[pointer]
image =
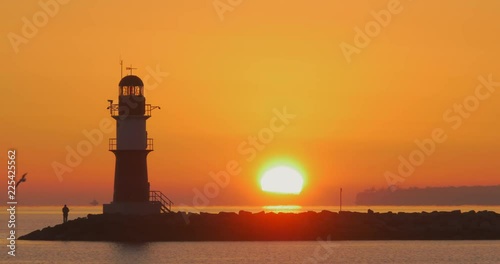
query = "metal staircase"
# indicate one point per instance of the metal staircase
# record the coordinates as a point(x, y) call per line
point(159, 197)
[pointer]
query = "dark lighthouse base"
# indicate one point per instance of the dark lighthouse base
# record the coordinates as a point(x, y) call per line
point(132, 208)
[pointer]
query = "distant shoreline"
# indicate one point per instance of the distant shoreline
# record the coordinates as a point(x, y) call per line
point(307, 226)
point(437, 196)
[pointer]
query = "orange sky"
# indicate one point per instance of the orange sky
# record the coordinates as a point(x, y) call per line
point(227, 75)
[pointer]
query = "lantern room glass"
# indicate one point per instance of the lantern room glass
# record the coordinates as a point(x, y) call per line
point(132, 90)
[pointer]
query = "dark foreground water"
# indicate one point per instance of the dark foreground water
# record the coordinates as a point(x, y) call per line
point(32, 218)
point(385, 252)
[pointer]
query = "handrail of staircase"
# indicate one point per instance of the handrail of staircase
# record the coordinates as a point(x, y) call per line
point(159, 196)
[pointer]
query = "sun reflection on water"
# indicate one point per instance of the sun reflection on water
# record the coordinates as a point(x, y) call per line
point(282, 208)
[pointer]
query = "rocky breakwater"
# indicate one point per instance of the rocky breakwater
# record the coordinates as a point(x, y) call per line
point(245, 226)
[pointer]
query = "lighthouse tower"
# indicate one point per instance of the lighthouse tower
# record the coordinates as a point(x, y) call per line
point(131, 147)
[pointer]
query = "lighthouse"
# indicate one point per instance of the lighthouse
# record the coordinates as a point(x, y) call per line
point(132, 194)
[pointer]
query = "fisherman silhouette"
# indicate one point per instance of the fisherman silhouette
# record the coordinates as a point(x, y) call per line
point(65, 211)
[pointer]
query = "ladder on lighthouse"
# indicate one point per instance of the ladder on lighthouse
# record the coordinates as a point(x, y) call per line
point(159, 197)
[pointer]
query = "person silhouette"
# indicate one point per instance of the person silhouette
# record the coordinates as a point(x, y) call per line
point(65, 211)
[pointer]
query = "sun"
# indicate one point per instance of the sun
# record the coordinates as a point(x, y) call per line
point(282, 179)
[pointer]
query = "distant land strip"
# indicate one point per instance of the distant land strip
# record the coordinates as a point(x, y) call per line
point(464, 195)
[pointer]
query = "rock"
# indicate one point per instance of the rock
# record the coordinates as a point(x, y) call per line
point(485, 225)
point(244, 213)
point(246, 226)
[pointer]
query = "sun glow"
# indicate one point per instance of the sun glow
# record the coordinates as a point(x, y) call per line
point(282, 179)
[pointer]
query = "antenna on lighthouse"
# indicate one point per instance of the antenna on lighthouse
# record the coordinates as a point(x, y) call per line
point(121, 68)
point(130, 69)
point(340, 200)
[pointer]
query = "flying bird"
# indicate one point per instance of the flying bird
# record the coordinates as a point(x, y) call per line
point(23, 179)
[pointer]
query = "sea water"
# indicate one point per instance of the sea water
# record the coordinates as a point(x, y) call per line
point(320, 251)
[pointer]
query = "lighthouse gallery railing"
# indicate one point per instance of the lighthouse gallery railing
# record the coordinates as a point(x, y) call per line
point(113, 146)
point(114, 109)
